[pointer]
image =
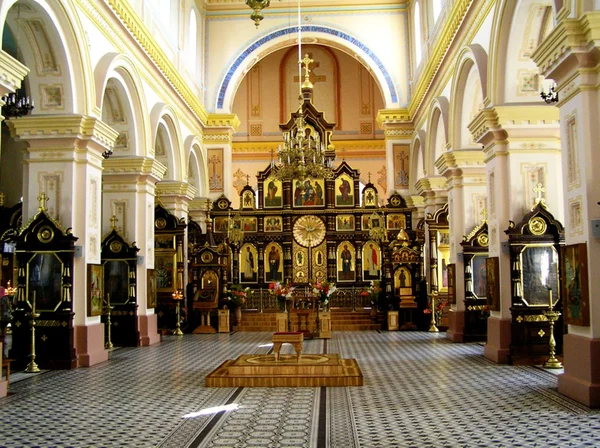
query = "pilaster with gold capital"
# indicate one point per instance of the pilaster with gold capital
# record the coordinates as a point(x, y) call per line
point(64, 160)
point(398, 130)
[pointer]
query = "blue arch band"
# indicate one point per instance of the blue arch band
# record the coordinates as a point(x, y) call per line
point(314, 28)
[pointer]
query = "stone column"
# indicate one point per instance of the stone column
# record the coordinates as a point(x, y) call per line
point(12, 73)
point(128, 190)
point(522, 147)
point(465, 174)
point(64, 160)
point(569, 55)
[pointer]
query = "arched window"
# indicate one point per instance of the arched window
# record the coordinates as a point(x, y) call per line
point(192, 43)
point(437, 9)
point(417, 22)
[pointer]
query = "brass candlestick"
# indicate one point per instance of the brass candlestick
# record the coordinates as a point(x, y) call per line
point(32, 367)
point(177, 296)
point(433, 328)
point(108, 308)
point(552, 316)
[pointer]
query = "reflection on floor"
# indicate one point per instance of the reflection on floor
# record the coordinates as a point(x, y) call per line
point(419, 391)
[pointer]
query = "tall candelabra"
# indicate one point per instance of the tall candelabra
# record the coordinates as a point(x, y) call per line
point(32, 367)
point(552, 316)
point(433, 328)
point(178, 296)
point(108, 308)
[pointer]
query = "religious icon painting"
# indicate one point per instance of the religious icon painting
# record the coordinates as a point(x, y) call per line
point(221, 223)
point(574, 285)
point(479, 276)
point(151, 289)
point(371, 261)
point(442, 270)
point(248, 199)
point(248, 264)
point(95, 290)
point(344, 223)
point(346, 262)
point(309, 192)
point(273, 263)
point(273, 193)
point(451, 283)
point(444, 238)
point(319, 258)
point(370, 221)
point(344, 191)
point(493, 287)
point(370, 197)
point(403, 282)
point(273, 224)
point(396, 221)
point(249, 224)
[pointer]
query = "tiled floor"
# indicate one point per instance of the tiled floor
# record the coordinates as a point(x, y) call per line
point(420, 391)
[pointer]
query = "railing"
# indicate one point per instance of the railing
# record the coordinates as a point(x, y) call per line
point(344, 298)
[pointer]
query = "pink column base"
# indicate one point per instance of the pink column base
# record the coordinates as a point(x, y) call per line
point(3, 383)
point(497, 348)
point(89, 344)
point(581, 380)
point(456, 326)
point(148, 326)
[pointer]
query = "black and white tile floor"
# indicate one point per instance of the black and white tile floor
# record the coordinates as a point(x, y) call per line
point(420, 391)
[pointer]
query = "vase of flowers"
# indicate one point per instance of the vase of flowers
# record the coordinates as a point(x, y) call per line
point(237, 296)
point(373, 291)
point(282, 292)
point(436, 307)
point(323, 291)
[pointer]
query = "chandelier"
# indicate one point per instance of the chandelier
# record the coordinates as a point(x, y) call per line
point(551, 96)
point(15, 107)
point(257, 6)
point(302, 154)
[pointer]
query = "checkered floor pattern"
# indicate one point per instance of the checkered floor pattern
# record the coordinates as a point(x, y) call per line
point(420, 391)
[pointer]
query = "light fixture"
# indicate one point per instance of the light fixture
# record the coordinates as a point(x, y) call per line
point(15, 107)
point(257, 6)
point(106, 154)
point(303, 154)
point(551, 96)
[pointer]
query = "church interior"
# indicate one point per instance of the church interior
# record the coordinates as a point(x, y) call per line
point(312, 223)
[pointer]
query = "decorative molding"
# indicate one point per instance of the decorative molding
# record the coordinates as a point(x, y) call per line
point(174, 188)
point(575, 216)
point(223, 120)
point(393, 116)
point(142, 168)
point(12, 72)
point(139, 31)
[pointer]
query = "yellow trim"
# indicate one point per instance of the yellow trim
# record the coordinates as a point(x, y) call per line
point(223, 120)
point(138, 29)
point(388, 116)
point(13, 72)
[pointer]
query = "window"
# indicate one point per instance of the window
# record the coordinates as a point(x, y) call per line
point(417, 22)
point(192, 43)
point(437, 9)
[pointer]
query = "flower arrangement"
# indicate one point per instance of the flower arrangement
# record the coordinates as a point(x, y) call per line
point(439, 307)
point(237, 294)
point(282, 291)
point(373, 290)
point(323, 289)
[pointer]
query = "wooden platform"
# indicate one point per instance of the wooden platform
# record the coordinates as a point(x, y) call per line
point(265, 371)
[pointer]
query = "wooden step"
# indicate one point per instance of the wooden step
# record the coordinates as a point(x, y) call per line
point(359, 320)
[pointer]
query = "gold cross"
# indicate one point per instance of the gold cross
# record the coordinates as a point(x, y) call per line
point(42, 198)
point(208, 205)
point(484, 214)
point(307, 60)
point(247, 179)
point(1, 199)
point(113, 222)
point(369, 174)
point(538, 190)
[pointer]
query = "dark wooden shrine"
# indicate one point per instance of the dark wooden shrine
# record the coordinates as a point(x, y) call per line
point(45, 253)
point(169, 235)
point(535, 247)
point(475, 253)
point(119, 261)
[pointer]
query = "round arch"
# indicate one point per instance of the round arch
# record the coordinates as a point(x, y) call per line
point(164, 119)
point(470, 57)
point(196, 165)
point(321, 35)
point(66, 37)
point(417, 159)
point(438, 116)
point(113, 65)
